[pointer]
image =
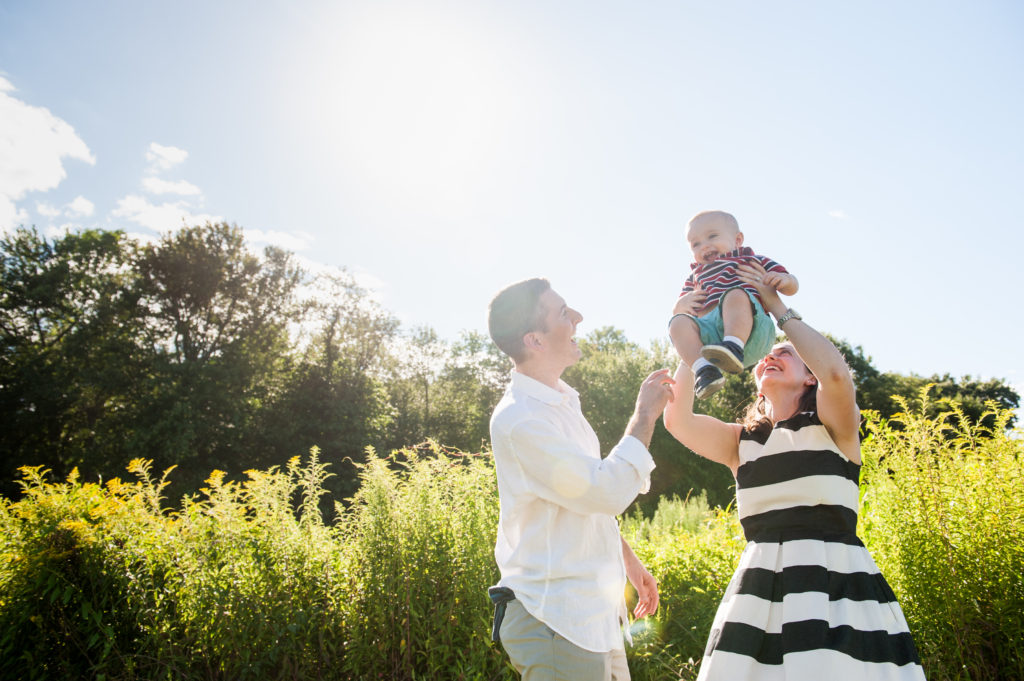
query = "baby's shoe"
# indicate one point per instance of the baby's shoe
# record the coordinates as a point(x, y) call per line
point(726, 355)
point(707, 382)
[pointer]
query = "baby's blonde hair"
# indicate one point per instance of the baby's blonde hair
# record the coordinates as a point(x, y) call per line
point(728, 217)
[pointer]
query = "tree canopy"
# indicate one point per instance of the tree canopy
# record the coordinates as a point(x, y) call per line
point(196, 351)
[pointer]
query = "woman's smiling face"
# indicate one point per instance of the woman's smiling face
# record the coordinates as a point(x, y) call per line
point(781, 366)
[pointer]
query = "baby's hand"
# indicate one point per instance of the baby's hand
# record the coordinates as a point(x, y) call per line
point(774, 279)
point(690, 303)
point(783, 282)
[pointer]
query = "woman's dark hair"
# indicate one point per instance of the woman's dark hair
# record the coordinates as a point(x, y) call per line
point(756, 421)
point(515, 312)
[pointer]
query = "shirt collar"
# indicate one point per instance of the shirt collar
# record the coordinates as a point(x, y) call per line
point(537, 390)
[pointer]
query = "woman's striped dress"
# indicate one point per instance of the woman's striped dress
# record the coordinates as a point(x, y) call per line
point(807, 601)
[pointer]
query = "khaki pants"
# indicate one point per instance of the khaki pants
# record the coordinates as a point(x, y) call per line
point(540, 654)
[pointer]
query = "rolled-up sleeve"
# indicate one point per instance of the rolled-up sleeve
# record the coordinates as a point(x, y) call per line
point(561, 471)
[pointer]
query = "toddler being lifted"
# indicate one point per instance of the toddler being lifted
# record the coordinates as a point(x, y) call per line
point(718, 323)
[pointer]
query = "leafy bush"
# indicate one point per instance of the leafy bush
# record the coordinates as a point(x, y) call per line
point(62, 604)
point(943, 514)
point(246, 581)
point(226, 588)
point(692, 549)
point(419, 542)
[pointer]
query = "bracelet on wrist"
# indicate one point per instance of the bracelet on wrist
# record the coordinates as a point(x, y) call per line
point(790, 314)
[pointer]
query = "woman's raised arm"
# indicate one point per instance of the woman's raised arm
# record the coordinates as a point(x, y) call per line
point(705, 435)
point(837, 395)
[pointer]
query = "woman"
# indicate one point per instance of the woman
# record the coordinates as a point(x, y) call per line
point(807, 601)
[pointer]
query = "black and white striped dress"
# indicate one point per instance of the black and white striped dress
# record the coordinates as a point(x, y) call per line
point(807, 600)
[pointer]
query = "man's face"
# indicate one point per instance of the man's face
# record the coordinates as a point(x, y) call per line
point(560, 321)
point(711, 237)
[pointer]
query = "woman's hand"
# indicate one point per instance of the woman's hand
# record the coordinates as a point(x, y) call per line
point(767, 283)
point(837, 396)
point(690, 303)
point(756, 275)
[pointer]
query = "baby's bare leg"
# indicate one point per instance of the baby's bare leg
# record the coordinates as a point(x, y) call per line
point(737, 316)
point(686, 338)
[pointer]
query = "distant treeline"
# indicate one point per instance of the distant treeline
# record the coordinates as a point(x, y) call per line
point(196, 352)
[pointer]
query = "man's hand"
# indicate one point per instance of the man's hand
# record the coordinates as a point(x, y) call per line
point(646, 591)
point(655, 393)
point(643, 581)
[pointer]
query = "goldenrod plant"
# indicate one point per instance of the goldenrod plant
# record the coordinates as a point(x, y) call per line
point(246, 579)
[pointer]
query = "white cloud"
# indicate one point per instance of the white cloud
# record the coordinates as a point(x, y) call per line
point(154, 185)
point(80, 207)
point(33, 144)
point(165, 217)
point(374, 286)
point(315, 266)
point(838, 214)
point(54, 232)
point(290, 241)
point(368, 281)
point(10, 215)
point(169, 215)
point(46, 210)
point(163, 158)
point(143, 237)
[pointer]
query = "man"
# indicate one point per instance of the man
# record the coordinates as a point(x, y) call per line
point(559, 603)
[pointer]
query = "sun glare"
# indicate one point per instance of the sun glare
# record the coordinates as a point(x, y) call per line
point(419, 107)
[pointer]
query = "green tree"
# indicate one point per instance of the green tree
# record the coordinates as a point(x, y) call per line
point(216, 331)
point(334, 397)
point(468, 387)
point(67, 348)
point(882, 391)
point(608, 377)
point(416, 361)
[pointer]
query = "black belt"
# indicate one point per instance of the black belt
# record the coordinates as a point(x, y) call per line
point(500, 596)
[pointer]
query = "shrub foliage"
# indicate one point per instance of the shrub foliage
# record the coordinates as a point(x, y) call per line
point(942, 510)
point(246, 580)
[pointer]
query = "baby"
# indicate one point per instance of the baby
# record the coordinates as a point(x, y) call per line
point(719, 323)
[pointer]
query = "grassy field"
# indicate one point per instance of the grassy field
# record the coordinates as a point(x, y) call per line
point(248, 581)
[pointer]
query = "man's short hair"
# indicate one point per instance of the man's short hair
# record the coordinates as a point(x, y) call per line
point(515, 312)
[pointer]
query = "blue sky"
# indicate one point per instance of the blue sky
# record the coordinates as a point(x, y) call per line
point(440, 150)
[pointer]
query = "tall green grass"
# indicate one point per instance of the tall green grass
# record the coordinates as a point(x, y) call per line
point(419, 545)
point(692, 550)
point(246, 580)
point(103, 582)
point(943, 513)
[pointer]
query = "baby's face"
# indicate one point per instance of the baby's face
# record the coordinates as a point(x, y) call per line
point(712, 236)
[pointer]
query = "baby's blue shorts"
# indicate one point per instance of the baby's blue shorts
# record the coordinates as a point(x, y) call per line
point(762, 334)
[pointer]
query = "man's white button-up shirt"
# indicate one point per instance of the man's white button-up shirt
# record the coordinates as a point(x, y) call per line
point(558, 545)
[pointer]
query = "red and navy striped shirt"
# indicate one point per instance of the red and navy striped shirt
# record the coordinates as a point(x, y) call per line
point(719, 276)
